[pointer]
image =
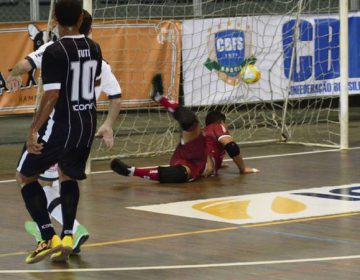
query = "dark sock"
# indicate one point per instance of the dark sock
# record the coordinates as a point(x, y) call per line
point(150, 173)
point(69, 194)
point(35, 202)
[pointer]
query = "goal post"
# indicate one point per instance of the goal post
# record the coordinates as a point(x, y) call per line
point(344, 74)
point(301, 51)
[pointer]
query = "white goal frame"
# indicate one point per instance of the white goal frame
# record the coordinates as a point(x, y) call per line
point(344, 95)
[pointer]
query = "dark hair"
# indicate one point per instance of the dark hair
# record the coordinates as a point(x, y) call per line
point(68, 12)
point(214, 116)
point(86, 23)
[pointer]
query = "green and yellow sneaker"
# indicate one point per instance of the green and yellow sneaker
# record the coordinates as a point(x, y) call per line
point(67, 248)
point(81, 235)
point(44, 249)
point(32, 229)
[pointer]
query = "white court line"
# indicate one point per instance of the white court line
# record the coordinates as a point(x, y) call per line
point(246, 158)
point(190, 266)
point(7, 181)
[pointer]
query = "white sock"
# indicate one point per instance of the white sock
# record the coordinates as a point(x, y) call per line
point(132, 170)
point(51, 194)
point(76, 224)
point(157, 97)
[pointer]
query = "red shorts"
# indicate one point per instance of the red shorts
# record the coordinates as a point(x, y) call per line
point(193, 155)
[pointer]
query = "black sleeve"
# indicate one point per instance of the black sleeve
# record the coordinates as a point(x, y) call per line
point(98, 69)
point(51, 70)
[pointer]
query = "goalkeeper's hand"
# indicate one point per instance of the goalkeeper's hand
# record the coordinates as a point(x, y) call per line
point(13, 83)
point(248, 170)
point(106, 133)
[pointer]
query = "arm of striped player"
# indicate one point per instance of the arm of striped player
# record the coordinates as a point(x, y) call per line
point(14, 80)
point(105, 131)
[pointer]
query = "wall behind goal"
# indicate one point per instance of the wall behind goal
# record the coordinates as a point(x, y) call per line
point(123, 44)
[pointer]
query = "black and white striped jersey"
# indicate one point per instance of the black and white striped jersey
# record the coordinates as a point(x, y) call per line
point(71, 65)
point(109, 84)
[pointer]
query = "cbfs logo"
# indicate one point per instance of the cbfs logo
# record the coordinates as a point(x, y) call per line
point(228, 48)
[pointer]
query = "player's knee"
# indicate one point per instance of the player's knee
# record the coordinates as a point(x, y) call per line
point(173, 174)
point(22, 180)
point(232, 149)
point(186, 118)
point(19, 179)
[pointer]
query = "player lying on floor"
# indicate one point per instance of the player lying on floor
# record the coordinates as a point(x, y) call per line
point(50, 178)
point(200, 151)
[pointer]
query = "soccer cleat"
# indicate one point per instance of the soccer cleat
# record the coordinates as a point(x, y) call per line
point(44, 249)
point(32, 229)
point(157, 90)
point(64, 253)
point(119, 167)
point(80, 236)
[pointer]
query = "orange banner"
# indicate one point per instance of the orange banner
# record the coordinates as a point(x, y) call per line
point(136, 50)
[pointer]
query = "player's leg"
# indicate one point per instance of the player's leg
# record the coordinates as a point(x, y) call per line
point(50, 182)
point(71, 168)
point(36, 204)
point(69, 198)
point(81, 234)
point(185, 117)
point(162, 174)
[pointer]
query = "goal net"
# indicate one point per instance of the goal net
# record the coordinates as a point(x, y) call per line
point(200, 47)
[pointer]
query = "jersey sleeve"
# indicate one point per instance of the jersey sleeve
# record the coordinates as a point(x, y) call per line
point(109, 83)
point(220, 131)
point(99, 65)
point(35, 57)
point(51, 70)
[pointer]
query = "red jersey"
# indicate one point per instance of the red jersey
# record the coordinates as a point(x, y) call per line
point(193, 155)
point(213, 133)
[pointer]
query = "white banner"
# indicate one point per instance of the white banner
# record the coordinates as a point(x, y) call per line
point(213, 50)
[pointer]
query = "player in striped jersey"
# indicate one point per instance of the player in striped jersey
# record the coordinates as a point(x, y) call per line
point(49, 179)
point(62, 130)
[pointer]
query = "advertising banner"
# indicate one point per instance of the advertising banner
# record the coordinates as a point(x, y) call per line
point(135, 50)
point(295, 60)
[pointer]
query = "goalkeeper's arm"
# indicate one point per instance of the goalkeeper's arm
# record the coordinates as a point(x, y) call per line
point(234, 152)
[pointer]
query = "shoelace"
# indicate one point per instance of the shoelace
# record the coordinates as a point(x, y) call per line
point(41, 246)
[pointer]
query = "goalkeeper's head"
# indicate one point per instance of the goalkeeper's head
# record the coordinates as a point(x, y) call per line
point(214, 117)
point(69, 13)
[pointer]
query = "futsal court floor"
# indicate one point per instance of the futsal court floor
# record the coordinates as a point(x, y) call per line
point(297, 219)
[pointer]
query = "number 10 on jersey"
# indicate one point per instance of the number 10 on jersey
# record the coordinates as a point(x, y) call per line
point(86, 71)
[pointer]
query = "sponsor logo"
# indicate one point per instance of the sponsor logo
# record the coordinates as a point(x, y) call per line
point(40, 37)
point(229, 46)
point(267, 207)
point(46, 226)
point(83, 107)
